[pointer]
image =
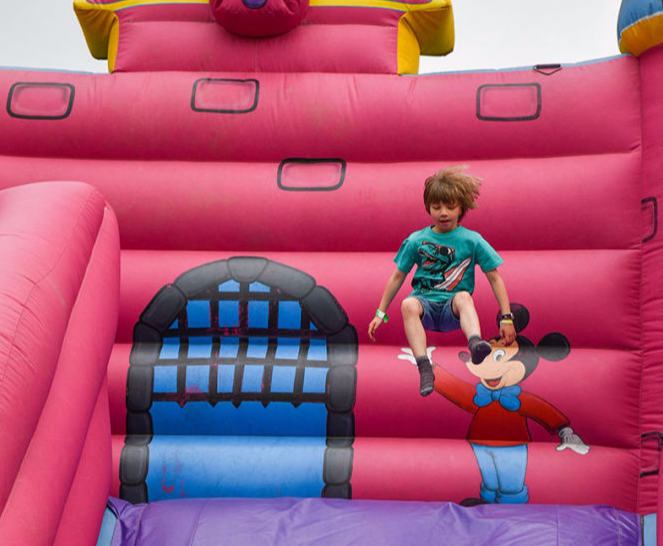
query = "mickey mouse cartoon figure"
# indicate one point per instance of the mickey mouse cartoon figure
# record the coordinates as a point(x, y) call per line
point(498, 432)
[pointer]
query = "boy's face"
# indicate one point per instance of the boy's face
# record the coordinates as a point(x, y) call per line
point(445, 216)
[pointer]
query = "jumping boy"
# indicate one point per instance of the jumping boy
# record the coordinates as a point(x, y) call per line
point(445, 254)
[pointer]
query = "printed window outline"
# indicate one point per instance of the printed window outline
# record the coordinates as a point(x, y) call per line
point(534, 116)
point(70, 106)
point(225, 110)
point(653, 202)
point(310, 161)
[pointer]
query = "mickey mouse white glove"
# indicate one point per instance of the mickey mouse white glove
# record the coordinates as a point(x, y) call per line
point(409, 355)
point(571, 440)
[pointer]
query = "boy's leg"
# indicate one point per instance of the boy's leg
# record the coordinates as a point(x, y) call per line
point(412, 311)
point(463, 307)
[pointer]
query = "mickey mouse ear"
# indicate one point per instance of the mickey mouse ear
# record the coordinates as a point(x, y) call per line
point(554, 347)
point(464, 356)
point(520, 314)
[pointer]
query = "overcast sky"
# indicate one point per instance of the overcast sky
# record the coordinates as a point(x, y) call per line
point(489, 34)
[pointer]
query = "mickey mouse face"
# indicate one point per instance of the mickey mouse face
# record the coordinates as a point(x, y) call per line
point(502, 368)
point(509, 365)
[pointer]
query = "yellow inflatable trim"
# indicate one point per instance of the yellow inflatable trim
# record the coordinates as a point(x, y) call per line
point(408, 49)
point(640, 36)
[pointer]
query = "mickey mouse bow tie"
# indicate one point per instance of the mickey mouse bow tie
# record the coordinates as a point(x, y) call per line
point(507, 397)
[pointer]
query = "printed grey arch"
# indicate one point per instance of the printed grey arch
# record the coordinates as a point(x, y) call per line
point(319, 340)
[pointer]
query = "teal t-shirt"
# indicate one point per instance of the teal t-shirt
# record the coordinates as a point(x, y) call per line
point(445, 261)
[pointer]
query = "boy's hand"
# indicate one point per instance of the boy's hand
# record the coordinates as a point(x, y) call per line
point(507, 332)
point(373, 326)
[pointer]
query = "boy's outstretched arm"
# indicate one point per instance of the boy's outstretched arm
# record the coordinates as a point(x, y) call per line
point(507, 330)
point(393, 286)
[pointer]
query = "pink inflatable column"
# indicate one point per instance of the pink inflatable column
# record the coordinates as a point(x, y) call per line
point(59, 293)
point(651, 64)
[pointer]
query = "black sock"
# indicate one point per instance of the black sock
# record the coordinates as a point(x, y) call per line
point(479, 349)
point(426, 376)
point(423, 361)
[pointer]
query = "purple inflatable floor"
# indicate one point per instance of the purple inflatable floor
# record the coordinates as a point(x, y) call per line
point(333, 522)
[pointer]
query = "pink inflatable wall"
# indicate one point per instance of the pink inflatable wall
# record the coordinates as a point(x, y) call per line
point(324, 173)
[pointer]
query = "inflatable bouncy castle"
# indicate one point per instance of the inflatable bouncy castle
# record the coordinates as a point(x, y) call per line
point(194, 244)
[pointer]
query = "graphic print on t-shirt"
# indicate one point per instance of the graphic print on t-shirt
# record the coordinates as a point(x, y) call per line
point(437, 265)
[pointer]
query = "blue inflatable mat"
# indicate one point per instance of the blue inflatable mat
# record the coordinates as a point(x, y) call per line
point(338, 522)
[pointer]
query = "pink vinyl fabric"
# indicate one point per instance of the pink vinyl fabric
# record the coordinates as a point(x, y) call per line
point(326, 115)
point(59, 293)
point(652, 256)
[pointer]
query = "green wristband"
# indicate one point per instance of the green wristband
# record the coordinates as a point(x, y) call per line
point(382, 315)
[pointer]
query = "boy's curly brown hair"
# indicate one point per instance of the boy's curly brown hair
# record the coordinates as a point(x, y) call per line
point(452, 185)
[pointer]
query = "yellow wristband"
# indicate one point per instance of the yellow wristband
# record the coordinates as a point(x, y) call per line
point(506, 321)
point(382, 315)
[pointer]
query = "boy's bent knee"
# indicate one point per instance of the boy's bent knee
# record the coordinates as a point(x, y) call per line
point(411, 306)
point(462, 299)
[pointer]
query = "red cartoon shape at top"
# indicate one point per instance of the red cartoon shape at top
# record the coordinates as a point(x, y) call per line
point(259, 18)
